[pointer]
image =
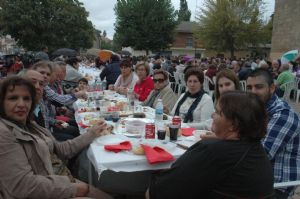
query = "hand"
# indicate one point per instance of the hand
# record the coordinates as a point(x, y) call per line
point(123, 90)
point(137, 96)
point(99, 129)
point(82, 189)
point(166, 110)
point(59, 124)
point(81, 95)
point(208, 135)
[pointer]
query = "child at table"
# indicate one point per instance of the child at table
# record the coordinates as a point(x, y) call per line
point(82, 85)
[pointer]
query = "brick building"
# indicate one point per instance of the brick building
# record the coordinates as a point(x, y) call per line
point(286, 28)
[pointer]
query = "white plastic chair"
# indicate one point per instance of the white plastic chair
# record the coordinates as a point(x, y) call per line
point(206, 82)
point(243, 85)
point(297, 89)
point(288, 87)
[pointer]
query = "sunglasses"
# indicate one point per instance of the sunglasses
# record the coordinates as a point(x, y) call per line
point(158, 80)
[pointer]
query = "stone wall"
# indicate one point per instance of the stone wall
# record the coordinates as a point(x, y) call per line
point(286, 27)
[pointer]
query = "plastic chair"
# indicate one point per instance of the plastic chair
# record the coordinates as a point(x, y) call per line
point(243, 85)
point(288, 87)
point(297, 89)
point(206, 82)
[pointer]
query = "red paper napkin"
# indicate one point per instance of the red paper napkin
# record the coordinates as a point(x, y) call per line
point(82, 125)
point(126, 145)
point(187, 131)
point(156, 154)
point(63, 118)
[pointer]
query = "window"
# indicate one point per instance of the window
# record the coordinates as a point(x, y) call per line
point(189, 42)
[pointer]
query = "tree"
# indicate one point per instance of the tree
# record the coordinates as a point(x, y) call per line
point(54, 23)
point(184, 14)
point(230, 24)
point(144, 24)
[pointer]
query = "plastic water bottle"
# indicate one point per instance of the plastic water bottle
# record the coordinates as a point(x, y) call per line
point(130, 97)
point(104, 85)
point(159, 111)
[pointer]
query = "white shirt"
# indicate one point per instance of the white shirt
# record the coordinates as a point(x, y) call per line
point(203, 111)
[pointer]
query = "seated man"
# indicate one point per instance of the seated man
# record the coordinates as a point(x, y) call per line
point(282, 141)
point(162, 91)
point(284, 77)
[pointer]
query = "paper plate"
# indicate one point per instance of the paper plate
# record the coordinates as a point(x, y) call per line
point(111, 139)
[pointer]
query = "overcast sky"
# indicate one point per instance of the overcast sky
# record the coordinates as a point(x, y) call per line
point(102, 15)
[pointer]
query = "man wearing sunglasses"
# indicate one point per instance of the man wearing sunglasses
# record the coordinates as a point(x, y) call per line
point(162, 91)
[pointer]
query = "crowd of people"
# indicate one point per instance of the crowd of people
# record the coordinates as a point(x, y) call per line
point(252, 136)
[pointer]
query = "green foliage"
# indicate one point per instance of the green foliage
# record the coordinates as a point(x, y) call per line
point(230, 24)
point(54, 23)
point(184, 14)
point(144, 24)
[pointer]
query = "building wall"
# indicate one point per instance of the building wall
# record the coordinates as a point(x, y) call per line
point(181, 39)
point(286, 28)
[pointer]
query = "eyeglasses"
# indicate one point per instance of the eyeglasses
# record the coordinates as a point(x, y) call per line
point(158, 80)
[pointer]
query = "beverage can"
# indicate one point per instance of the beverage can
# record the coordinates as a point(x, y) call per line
point(176, 121)
point(150, 131)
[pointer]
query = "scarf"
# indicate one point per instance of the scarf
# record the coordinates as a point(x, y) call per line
point(189, 115)
point(153, 96)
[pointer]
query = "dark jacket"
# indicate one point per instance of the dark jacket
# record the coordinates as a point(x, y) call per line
point(111, 72)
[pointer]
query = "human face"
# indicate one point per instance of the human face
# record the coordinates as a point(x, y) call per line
point(37, 80)
point(45, 71)
point(125, 71)
point(76, 65)
point(225, 84)
point(62, 74)
point(221, 126)
point(17, 104)
point(193, 84)
point(82, 85)
point(259, 86)
point(141, 72)
point(159, 81)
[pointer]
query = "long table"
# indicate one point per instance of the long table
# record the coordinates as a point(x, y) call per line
point(124, 160)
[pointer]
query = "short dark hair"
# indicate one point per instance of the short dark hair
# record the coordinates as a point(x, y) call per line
point(14, 81)
point(247, 113)
point(73, 60)
point(193, 71)
point(161, 71)
point(264, 73)
point(126, 63)
point(83, 80)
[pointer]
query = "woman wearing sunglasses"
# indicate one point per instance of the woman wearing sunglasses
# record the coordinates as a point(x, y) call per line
point(162, 91)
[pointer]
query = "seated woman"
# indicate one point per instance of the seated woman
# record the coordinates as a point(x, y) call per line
point(194, 106)
point(126, 80)
point(144, 85)
point(27, 149)
point(232, 165)
point(226, 80)
point(162, 91)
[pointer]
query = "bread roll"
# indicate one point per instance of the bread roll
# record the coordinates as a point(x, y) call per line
point(138, 150)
